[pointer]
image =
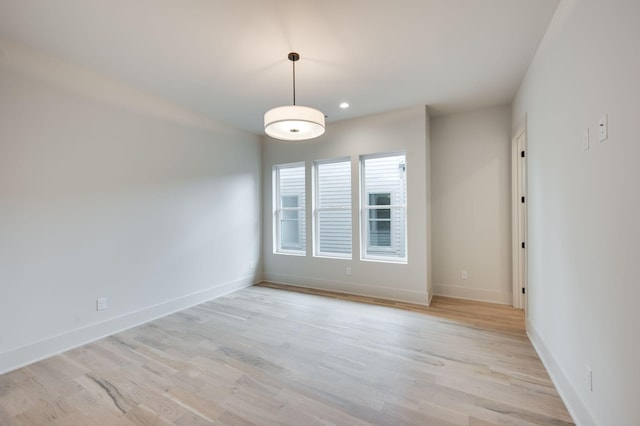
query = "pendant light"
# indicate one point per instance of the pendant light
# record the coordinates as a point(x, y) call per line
point(294, 122)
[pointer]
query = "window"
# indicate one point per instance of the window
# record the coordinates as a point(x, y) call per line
point(380, 220)
point(384, 212)
point(333, 208)
point(289, 212)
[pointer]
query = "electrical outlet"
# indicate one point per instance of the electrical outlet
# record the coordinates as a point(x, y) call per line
point(349, 271)
point(588, 378)
point(464, 274)
point(101, 304)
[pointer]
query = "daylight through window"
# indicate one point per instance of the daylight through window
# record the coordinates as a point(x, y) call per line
point(289, 215)
point(384, 211)
point(333, 208)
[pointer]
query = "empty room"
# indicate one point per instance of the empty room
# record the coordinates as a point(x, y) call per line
point(305, 212)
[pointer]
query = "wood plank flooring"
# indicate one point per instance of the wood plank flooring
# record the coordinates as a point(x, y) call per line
point(266, 355)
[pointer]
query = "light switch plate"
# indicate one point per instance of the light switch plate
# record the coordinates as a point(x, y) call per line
point(588, 378)
point(585, 140)
point(603, 128)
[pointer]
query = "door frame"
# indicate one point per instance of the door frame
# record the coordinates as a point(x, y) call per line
point(519, 201)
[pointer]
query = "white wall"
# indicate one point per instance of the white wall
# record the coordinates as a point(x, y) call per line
point(584, 208)
point(471, 204)
point(107, 191)
point(402, 130)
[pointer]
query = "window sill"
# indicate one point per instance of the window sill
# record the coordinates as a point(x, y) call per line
point(333, 256)
point(290, 253)
point(385, 260)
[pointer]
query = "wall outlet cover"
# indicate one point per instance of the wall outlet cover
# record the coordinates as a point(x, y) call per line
point(101, 303)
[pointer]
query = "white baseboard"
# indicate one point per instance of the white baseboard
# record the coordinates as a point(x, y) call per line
point(399, 295)
point(33, 352)
point(576, 407)
point(479, 294)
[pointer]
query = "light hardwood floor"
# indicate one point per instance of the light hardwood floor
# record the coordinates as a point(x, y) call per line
point(267, 355)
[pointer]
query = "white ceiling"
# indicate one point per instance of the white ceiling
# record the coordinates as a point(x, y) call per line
point(228, 58)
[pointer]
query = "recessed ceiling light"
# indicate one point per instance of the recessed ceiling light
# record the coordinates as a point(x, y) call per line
point(344, 105)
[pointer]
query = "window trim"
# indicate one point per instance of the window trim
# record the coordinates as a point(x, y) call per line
point(317, 209)
point(364, 214)
point(278, 209)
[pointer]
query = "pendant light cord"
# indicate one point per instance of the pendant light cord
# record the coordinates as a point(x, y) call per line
point(293, 57)
point(294, 81)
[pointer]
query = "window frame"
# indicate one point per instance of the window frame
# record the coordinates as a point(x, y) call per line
point(283, 219)
point(365, 208)
point(392, 234)
point(317, 209)
point(278, 210)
